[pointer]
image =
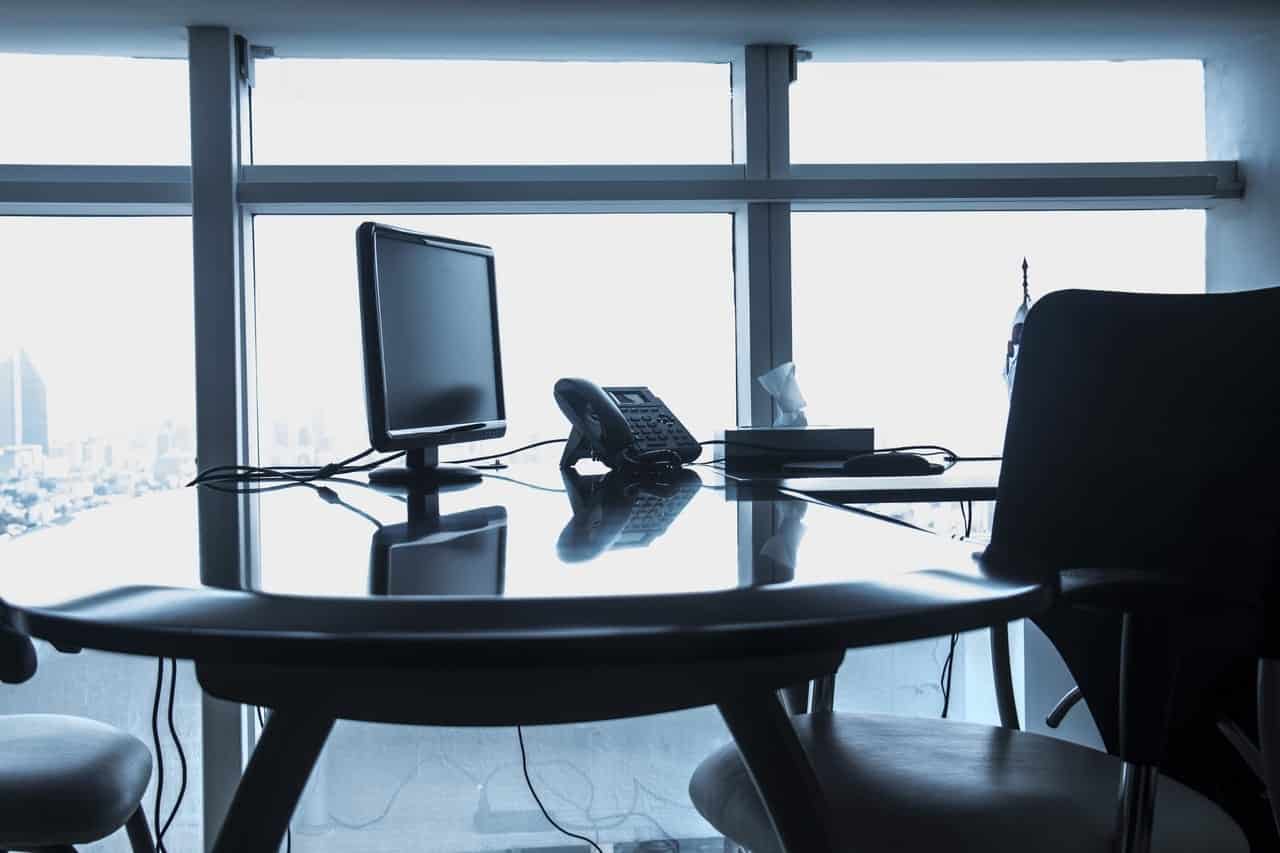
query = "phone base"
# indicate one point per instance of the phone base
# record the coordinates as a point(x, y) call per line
point(575, 448)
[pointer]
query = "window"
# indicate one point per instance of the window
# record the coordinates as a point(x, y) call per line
point(639, 299)
point(901, 319)
point(96, 321)
point(992, 112)
point(311, 111)
point(92, 110)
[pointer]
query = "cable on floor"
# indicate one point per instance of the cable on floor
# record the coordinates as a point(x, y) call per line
point(524, 765)
point(155, 742)
point(948, 667)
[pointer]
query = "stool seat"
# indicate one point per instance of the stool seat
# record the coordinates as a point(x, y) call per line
point(902, 784)
point(66, 780)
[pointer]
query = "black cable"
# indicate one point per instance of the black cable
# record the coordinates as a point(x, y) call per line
point(330, 496)
point(507, 453)
point(524, 765)
point(182, 756)
point(252, 490)
point(295, 473)
point(247, 479)
point(944, 681)
point(155, 741)
point(524, 483)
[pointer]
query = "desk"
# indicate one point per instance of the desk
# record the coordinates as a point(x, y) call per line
point(508, 603)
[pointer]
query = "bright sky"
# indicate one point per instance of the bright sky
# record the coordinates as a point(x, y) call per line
point(897, 316)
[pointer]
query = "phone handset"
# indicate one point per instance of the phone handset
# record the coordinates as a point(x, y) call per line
point(623, 427)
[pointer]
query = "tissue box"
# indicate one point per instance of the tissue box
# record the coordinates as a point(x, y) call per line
point(743, 451)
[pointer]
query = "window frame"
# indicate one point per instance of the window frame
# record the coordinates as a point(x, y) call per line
point(223, 190)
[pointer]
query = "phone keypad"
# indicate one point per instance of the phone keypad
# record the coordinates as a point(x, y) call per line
point(655, 428)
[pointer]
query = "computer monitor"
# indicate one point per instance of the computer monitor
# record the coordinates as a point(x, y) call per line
point(432, 367)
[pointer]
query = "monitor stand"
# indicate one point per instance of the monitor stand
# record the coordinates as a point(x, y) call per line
point(422, 470)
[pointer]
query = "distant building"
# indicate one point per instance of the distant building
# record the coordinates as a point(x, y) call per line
point(24, 414)
point(21, 460)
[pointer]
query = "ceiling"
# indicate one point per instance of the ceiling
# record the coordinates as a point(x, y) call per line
point(652, 29)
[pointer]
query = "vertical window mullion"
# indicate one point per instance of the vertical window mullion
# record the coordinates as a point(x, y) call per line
point(762, 231)
point(224, 378)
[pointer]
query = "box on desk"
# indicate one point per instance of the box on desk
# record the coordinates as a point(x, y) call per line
point(764, 450)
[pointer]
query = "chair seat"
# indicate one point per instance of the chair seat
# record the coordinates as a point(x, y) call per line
point(901, 784)
point(66, 780)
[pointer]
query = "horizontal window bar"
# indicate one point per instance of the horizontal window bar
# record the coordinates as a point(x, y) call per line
point(95, 190)
point(264, 175)
point(140, 190)
point(378, 208)
point(1195, 184)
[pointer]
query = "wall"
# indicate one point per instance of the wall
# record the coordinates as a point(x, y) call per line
point(1242, 119)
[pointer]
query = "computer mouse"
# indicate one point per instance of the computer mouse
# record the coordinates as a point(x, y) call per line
point(892, 464)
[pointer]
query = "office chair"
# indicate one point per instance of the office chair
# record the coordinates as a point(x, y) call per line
point(65, 780)
point(1137, 465)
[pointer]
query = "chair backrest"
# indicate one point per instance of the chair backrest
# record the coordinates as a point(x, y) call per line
point(1142, 435)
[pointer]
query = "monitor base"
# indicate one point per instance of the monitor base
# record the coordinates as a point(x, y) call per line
point(429, 477)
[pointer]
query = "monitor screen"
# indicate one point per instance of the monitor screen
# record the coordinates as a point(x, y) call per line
point(436, 339)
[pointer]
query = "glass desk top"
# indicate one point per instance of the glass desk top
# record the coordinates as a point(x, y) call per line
point(530, 563)
point(524, 532)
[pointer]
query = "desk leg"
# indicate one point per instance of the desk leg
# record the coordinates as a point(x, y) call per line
point(781, 772)
point(272, 783)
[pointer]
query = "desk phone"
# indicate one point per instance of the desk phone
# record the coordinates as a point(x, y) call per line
point(622, 426)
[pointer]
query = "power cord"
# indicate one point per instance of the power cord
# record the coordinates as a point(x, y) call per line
point(290, 473)
point(944, 681)
point(948, 665)
point(177, 742)
point(155, 742)
point(248, 479)
point(513, 452)
point(524, 765)
point(162, 827)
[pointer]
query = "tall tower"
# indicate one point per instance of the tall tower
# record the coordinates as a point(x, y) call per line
point(24, 414)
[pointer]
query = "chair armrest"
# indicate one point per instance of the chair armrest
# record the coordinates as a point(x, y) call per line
point(1064, 706)
point(17, 657)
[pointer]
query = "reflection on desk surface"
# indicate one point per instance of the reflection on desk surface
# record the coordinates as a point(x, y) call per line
point(463, 553)
point(618, 510)
point(697, 539)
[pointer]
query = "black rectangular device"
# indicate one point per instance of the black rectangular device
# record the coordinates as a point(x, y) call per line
point(429, 322)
